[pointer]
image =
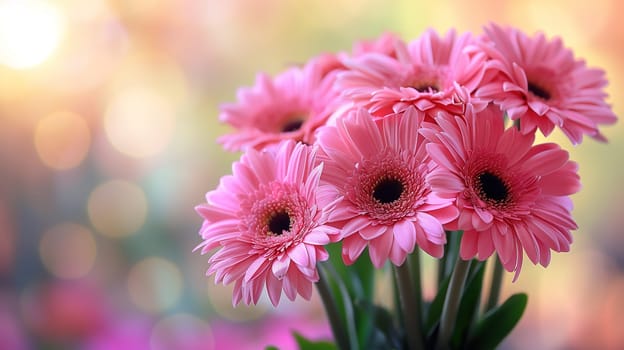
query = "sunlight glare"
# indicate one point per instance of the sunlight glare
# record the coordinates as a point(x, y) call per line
point(30, 31)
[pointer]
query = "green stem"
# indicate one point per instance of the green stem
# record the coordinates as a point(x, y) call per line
point(414, 267)
point(495, 287)
point(411, 313)
point(451, 251)
point(441, 270)
point(451, 302)
point(335, 322)
point(396, 296)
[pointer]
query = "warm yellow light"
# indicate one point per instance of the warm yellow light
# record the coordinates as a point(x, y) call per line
point(139, 121)
point(62, 140)
point(29, 32)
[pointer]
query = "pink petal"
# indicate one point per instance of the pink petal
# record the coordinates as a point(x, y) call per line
point(256, 267)
point(355, 225)
point(317, 237)
point(468, 247)
point(528, 242)
point(432, 227)
point(379, 249)
point(545, 158)
point(397, 254)
point(299, 255)
point(405, 235)
point(352, 247)
point(305, 288)
point(372, 232)
point(280, 266)
point(274, 289)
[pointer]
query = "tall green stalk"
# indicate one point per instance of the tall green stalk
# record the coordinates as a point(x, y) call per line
point(451, 302)
point(335, 322)
point(414, 268)
point(411, 312)
point(495, 287)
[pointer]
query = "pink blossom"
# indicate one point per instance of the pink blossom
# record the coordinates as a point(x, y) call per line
point(539, 83)
point(512, 195)
point(381, 169)
point(290, 106)
point(268, 222)
point(431, 73)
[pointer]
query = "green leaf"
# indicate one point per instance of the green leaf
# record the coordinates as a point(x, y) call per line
point(271, 347)
point(346, 309)
point(498, 323)
point(305, 344)
point(384, 333)
point(353, 286)
point(469, 305)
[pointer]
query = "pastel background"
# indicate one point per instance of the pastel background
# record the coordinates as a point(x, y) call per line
point(108, 127)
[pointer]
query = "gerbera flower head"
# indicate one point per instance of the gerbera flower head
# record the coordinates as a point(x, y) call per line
point(540, 83)
point(268, 223)
point(381, 169)
point(512, 195)
point(431, 73)
point(292, 105)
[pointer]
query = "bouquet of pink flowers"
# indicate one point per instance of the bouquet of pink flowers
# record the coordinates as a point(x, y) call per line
point(356, 162)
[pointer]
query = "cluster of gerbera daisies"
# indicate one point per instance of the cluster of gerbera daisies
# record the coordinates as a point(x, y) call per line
point(395, 145)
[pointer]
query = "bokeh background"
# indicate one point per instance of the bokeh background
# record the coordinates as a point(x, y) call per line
point(108, 127)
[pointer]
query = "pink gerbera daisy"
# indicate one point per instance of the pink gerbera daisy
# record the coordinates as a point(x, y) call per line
point(541, 84)
point(381, 169)
point(431, 73)
point(290, 106)
point(268, 221)
point(512, 196)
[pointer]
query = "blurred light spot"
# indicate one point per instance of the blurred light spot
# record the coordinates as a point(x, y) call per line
point(139, 121)
point(566, 23)
point(145, 11)
point(220, 298)
point(117, 208)
point(181, 331)
point(91, 11)
point(29, 32)
point(62, 140)
point(155, 284)
point(68, 250)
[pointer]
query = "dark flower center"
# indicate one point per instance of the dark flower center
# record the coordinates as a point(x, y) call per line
point(388, 190)
point(430, 88)
point(538, 91)
point(293, 125)
point(492, 188)
point(279, 222)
